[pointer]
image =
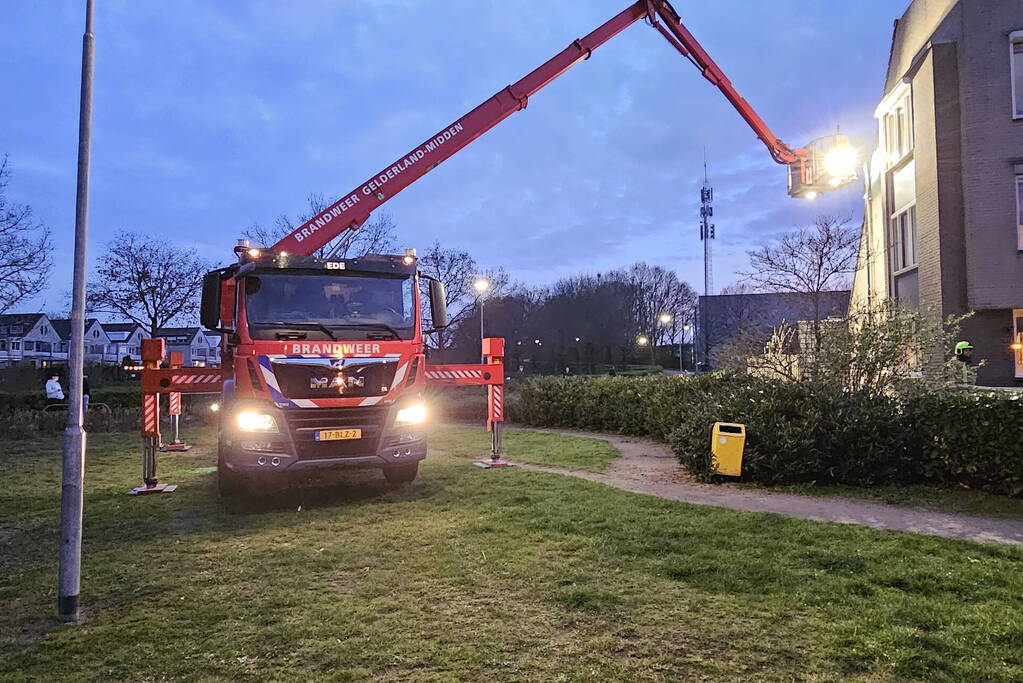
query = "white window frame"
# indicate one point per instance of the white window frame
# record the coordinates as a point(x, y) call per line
point(901, 264)
point(1018, 219)
point(1014, 38)
point(889, 132)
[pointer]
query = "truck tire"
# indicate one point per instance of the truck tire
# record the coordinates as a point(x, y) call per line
point(230, 484)
point(401, 474)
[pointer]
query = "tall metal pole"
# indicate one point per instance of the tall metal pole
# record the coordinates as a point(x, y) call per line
point(482, 357)
point(69, 572)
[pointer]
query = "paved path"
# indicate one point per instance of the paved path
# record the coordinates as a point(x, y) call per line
point(649, 467)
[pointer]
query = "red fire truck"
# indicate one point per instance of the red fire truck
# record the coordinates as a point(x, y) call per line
point(323, 358)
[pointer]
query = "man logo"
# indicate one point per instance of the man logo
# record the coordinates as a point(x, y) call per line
point(339, 382)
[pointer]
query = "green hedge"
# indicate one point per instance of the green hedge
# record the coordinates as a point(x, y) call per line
point(796, 433)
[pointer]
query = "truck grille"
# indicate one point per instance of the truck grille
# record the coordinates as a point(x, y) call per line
point(334, 377)
point(305, 422)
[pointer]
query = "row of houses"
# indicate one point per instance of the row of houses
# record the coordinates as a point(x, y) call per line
point(36, 339)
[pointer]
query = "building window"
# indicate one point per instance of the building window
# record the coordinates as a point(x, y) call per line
point(1019, 212)
point(1016, 69)
point(45, 347)
point(15, 346)
point(15, 329)
point(1017, 341)
point(903, 240)
point(44, 329)
point(30, 346)
point(897, 128)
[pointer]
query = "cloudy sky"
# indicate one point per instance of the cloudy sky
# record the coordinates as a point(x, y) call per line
point(214, 114)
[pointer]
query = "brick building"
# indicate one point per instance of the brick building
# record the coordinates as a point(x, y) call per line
point(722, 318)
point(943, 225)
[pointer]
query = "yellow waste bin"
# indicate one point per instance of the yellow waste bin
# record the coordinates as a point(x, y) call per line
point(727, 442)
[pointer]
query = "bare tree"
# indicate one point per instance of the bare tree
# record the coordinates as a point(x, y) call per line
point(658, 291)
point(25, 249)
point(456, 269)
point(808, 261)
point(147, 281)
point(375, 236)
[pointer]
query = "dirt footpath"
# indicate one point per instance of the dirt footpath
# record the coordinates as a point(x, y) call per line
point(649, 467)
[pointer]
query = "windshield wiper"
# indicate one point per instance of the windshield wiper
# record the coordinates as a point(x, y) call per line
point(374, 326)
point(308, 325)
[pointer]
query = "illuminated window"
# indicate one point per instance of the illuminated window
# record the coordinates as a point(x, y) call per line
point(898, 130)
point(1017, 341)
point(1016, 68)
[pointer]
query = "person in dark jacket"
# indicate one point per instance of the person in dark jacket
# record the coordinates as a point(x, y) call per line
point(85, 393)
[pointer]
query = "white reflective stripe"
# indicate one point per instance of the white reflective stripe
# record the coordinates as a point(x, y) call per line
point(372, 400)
point(269, 378)
point(304, 403)
point(399, 375)
point(149, 410)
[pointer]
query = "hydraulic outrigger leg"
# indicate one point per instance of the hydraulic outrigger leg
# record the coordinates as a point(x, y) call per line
point(493, 355)
point(152, 356)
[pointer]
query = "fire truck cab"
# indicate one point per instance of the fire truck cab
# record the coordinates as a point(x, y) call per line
point(324, 364)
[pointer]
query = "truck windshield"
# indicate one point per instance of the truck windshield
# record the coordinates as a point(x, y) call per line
point(325, 306)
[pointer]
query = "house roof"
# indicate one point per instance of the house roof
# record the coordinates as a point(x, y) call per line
point(180, 335)
point(62, 326)
point(120, 327)
point(121, 331)
point(26, 319)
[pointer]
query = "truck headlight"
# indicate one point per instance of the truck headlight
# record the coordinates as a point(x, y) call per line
point(411, 415)
point(251, 421)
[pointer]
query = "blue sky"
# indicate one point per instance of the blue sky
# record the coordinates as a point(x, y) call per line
point(210, 115)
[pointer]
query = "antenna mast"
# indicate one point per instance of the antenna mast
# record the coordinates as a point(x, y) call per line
point(707, 229)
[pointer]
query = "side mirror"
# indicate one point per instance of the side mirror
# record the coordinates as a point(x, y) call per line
point(209, 307)
point(438, 305)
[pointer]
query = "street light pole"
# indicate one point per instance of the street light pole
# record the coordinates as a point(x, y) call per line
point(70, 561)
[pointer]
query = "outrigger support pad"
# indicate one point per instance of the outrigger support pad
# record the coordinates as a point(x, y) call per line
point(149, 447)
point(495, 451)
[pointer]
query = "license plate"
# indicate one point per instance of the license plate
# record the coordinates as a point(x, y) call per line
point(338, 434)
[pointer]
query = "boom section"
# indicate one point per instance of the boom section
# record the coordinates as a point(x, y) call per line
point(354, 208)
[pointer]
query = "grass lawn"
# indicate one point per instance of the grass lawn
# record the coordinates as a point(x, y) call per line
point(962, 500)
point(527, 445)
point(477, 574)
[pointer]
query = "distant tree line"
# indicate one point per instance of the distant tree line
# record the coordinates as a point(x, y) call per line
point(585, 323)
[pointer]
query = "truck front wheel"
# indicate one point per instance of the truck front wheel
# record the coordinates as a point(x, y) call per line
point(231, 484)
point(402, 474)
